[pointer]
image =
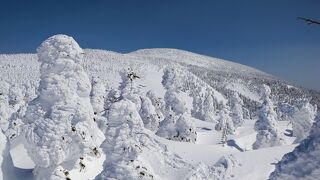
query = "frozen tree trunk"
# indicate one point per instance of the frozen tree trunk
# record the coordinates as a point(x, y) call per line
point(58, 125)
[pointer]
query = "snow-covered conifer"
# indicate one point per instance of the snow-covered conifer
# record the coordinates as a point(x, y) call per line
point(112, 97)
point(129, 87)
point(302, 120)
point(209, 110)
point(236, 103)
point(11, 103)
point(177, 124)
point(58, 125)
point(98, 99)
point(148, 114)
point(185, 129)
point(4, 105)
point(3, 142)
point(98, 95)
point(157, 103)
point(7, 168)
point(167, 128)
point(225, 124)
point(267, 126)
point(124, 142)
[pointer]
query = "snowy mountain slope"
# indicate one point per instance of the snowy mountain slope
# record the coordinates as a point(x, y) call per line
point(188, 58)
point(220, 74)
point(191, 93)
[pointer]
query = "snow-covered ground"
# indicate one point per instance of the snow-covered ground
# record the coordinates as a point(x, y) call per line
point(253, 164)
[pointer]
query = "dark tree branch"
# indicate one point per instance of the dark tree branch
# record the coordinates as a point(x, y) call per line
point(309, 21)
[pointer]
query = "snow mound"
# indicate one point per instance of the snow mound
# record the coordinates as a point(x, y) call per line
point(304, 161)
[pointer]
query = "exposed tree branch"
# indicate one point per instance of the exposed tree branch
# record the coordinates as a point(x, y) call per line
point(309, 21)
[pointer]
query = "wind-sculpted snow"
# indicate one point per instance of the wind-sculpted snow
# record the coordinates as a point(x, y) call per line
point(304, 161)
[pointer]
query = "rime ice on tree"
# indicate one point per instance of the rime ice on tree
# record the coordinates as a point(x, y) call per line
point(58, 125)
point(267, 127)
point(125, 138)
point(236, 104)
point(302, 119)
point(209, 110)
point(178, 124)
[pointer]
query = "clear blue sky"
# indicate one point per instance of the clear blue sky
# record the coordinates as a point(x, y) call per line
point(264, 34)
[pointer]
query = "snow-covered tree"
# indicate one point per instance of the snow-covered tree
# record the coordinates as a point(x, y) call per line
point(167, 128)
point(7, 167)
point(185, 129)
point(4, 105)
point(302, 119)
point(173, 97)
point(16, 96)
point(58, 125)
point(304, 161)
point(177, 124)
point(129, 87)
point(98, 95)
point(3, 142)
point(112, 97)
point(225, 124)
point(11, 100)
point(266, 125)
point(236, 103)
point(12, 103)
point(209, 109)
point(201, 104)
point(125, 139)
point(148, 114)
point(157, 103)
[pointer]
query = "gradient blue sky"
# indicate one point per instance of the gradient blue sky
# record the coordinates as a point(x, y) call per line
point(264, 34)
